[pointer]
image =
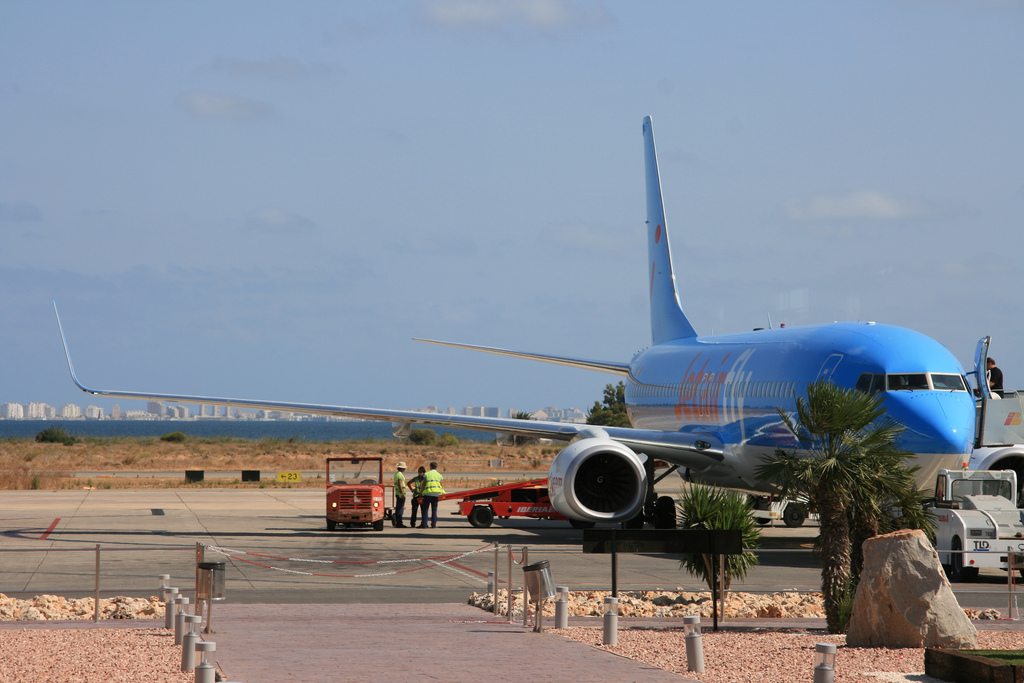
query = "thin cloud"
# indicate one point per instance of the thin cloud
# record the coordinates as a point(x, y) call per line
point(278, 222)
point(276, 69)
point(207, 105)
point(20, 212)
point(866, 205)
point(542, 15)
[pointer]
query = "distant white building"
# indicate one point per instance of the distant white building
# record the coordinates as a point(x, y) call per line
point(93, 413)
point(12, 411)
point(138, 415)
point(40, 411)
point(69, 411)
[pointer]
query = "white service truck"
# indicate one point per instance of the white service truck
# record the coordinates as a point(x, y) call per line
point(978, 522)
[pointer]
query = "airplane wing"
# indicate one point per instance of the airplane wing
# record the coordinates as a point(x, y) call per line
point(601, 366)
point(681, 448)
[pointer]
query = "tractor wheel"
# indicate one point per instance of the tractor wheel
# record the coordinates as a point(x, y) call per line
point(960, 573)
point(665, 513)
point(379, 525)
point(480, 517)
point(794, 515)
point(331, 524)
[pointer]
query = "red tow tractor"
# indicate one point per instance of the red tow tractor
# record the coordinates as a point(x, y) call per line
point(359, 504)
point(522, 499)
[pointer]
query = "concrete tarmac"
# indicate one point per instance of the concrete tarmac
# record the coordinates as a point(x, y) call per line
point(305, 604)
point(278, 551)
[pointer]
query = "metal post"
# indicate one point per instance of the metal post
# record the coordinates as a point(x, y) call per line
point(721, 584)
point(509, 583)
point(526, 604)
point(494, 610)
point(96, 607)
point(615, 572)
point(1009, 587)
point(200, 557)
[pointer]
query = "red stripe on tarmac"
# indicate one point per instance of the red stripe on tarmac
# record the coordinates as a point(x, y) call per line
point(464, 568)
point(50, 529)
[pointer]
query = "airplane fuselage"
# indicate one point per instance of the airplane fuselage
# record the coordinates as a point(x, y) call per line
point(733, 386)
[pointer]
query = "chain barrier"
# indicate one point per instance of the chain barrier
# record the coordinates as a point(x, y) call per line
point(436, 561)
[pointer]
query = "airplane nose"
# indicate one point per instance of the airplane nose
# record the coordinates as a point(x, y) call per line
point(936, 422)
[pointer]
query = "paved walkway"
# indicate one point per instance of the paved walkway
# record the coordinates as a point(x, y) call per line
point(440, 642)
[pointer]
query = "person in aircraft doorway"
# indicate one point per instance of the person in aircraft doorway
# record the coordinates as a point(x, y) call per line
point(995, 378)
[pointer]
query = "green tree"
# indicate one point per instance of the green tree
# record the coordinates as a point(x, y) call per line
point(522, 415)
point(174, 437)
point(611, 413)
point(710, 507)
point(56, 434)
point(851, 473)
point(423, 437)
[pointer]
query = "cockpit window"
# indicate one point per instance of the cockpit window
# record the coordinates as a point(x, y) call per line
point(914, 382)
point(870, 383)
point(873, 383)
point(948, 382)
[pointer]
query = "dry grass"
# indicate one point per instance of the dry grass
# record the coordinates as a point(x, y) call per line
point(25, 464)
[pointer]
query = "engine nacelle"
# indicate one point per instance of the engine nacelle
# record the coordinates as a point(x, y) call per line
point(598, 480)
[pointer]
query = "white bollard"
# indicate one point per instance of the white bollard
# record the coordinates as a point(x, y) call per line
point(562, 608)
point(824, 663)
point(694, 643)
point(611, 621)
point(181, 611)
point(206, 672)
point(169, 595)
point(188, 642)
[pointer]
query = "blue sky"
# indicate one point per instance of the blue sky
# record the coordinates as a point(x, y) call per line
point(270, 200)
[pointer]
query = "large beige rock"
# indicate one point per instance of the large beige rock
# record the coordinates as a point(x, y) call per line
point(904, 598)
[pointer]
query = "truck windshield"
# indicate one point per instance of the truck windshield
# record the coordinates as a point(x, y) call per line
point(981, 487)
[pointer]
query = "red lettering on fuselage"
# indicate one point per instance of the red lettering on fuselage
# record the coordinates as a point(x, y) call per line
point(699, 391)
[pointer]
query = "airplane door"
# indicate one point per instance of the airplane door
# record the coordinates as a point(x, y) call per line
point(828, 367)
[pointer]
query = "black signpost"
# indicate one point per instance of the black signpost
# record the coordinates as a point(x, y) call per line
point(665, 541)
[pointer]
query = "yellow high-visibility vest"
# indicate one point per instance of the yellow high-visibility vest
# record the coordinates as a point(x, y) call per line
point(432, 484)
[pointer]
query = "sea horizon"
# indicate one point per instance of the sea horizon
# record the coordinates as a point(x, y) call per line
point(285, 430)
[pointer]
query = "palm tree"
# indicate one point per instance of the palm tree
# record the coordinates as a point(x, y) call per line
point(849, 468)
point(710, 507)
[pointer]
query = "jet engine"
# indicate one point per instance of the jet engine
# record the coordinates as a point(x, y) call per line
point(598, 480)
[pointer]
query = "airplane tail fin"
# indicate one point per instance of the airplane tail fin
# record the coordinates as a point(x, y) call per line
point(668, 321)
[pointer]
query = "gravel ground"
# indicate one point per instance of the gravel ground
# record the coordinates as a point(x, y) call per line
point(91, 655)
point(770, 656)
point(761, 656)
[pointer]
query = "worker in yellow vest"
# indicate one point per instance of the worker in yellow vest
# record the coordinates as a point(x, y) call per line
point(415, 486)
point(396, 517)
point(431, 490)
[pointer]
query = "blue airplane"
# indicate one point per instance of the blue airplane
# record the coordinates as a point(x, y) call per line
point(706, 405)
